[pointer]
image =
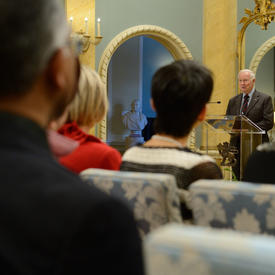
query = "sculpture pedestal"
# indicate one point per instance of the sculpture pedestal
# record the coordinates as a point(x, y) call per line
point(133, 139)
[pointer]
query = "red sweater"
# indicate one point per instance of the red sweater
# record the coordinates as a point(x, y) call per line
point(91, 152)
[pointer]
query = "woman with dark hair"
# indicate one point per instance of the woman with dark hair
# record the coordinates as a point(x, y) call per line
point(179, 94)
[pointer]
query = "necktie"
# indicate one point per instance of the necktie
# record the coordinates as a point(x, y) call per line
point(245, 104)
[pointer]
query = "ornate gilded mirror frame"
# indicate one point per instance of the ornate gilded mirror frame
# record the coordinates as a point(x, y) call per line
point(258, 56)
point(168, 39)
point(263, 14)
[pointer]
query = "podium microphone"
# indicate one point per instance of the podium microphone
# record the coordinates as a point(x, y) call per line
point(214, 102)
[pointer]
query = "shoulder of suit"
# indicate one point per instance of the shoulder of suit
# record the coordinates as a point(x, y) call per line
point(261, 94)
point(235, 97)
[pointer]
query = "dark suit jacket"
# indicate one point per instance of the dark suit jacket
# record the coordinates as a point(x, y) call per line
point(52, 222)
point(260, 165)
point(260, 110)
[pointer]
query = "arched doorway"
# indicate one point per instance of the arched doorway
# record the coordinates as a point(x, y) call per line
point(169, 40)
point(263, 65)
point(260, 53)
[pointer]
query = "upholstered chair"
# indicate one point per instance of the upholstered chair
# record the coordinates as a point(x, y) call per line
point(241, 206)
point(153, 198)
point(178, 249)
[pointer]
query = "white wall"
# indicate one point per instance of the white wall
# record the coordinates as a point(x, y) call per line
point(182, 17)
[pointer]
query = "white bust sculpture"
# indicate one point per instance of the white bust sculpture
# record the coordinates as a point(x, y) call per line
point(135, 121)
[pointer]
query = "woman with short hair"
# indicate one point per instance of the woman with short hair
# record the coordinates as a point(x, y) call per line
point(179, 94)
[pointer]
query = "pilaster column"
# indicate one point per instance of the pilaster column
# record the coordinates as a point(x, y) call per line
point(219, 53)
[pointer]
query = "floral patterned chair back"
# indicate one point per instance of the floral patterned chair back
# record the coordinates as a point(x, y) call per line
point(152, 197)
point(178, 249)
point(241, 206)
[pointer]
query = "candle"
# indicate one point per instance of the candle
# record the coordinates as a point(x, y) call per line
point(86, 24)
point(71, 21)
point(98, 27)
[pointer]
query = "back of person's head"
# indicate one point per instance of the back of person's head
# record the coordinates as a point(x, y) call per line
point(179, 92)
point(31, 31)
point(90, 105)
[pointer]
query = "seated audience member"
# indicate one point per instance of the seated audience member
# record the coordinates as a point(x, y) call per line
point(260, 165)
point(88, 108)
point(51, 221)
point(180, 92)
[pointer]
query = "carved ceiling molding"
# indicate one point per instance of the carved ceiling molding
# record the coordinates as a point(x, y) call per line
point(262, 50)
point(168, 39)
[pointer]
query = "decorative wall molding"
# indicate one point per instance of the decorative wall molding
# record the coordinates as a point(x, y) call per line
point(263, 14)
point(262, 50)
point(168, 39)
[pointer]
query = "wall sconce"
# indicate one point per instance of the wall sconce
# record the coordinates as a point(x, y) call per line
point(83, 38)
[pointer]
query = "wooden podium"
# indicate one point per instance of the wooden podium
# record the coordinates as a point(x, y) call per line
point(235, 137)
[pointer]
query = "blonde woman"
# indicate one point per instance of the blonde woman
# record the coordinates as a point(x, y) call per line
point(88, 108)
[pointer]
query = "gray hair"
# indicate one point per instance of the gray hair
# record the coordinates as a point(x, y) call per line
point(252, 75)
point(31, 30)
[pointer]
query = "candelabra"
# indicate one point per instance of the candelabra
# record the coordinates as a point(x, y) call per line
point(83, 38)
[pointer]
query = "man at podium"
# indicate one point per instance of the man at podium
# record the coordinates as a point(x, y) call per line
point(254, 105)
